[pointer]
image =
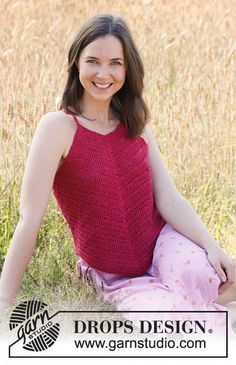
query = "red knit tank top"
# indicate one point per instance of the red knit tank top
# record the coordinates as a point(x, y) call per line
point(104, 191)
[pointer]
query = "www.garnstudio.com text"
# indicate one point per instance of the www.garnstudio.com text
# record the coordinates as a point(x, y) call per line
point(146, 343)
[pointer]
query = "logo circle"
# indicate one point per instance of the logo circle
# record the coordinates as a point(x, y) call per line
point(34, 325)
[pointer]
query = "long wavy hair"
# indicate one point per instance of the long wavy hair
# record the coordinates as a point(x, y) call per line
point(127, 104)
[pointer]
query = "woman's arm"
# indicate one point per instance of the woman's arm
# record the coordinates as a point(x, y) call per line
point(16, 261)
point(46, 150)
point(179, 213)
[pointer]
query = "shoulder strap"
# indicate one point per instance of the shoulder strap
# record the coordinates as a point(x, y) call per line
point(74, 117)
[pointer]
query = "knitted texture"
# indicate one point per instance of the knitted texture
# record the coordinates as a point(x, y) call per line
point(104, 191)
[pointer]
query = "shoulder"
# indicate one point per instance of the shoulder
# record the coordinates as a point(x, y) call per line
point(58, 124)
point(153, 148)
point(57, 120)
point(57, 127)
point(147, 131)
point(147, 134)
point(164, 188)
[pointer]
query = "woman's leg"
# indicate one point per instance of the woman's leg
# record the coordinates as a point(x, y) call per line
point(183, 266)
point(174, 281)
point(138, 293)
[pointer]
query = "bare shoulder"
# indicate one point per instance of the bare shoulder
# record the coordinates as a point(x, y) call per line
point(149, 135)
point(59, 127)
point(58, 120)
point(147, 132)
point(45, 153)
point(164, 188)
point(153, 148)
point(144, 134)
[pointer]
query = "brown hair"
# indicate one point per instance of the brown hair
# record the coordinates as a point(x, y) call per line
point(127, 104)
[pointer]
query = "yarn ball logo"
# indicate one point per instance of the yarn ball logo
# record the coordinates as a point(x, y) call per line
point(34, 325)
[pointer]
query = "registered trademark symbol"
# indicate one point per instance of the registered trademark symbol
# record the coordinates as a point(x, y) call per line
point(210, 330)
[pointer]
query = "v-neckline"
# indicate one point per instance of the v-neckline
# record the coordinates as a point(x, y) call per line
point(95, 132)
point(100, 134)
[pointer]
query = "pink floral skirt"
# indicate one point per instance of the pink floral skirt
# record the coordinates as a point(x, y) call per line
point(180, 277)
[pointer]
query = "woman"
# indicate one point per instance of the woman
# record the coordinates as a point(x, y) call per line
point(137, 236)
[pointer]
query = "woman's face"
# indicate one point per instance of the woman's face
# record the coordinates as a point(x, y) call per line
point(102, 67)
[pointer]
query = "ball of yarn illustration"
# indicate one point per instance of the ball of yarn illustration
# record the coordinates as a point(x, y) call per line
point(45, 335)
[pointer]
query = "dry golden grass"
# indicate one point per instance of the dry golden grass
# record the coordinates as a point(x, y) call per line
point(188, 49)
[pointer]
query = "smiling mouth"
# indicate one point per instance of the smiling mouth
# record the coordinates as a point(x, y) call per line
point(101, 86)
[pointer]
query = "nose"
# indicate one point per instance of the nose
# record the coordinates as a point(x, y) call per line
point(103, 72)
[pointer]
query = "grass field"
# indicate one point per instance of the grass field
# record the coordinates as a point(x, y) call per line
point(189, 51)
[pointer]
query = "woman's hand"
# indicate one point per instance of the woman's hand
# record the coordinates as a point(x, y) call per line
point(223, 265)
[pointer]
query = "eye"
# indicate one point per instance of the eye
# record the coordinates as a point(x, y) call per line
point(118, 63)
point(91, 61)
